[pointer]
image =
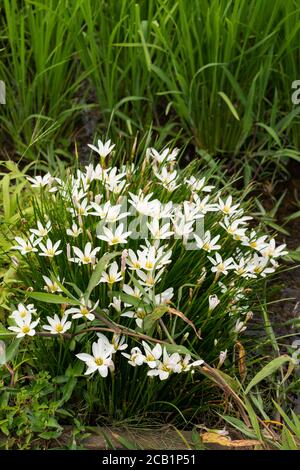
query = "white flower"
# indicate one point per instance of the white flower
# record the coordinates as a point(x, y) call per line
point(168, 179)
point(243, 268)
point(118, 343)
point(133, 292)
point(239, 327)
point(185, 364)
point(165, 156)
point(113, 274)
point(149, 279)
point(40, 181)
point(74, 231)
point(88, 256)
point(259, 265)
point(207, 243)
point(191, 211)
point(152, 355)
point(221, 266)
point(81, 208)
point(142, 203)
point(101, 359)
point(83, 311)
point(165, 297)
point(138, 315)
point(198, 185)
point(51, 286)
point(167, 366)
point(26, 246)
point(136, 358)
point(182, 228)
point(233, 228)
point(213, 301)
point(41, 231)
point(159, 233)
point(202, 204)
point(114, 238)
point(103, 149)
point(24, 312)
point(222, 357)
point(57, 325)
point(24, 326)
point(227, 207)
point(116, 304)
point(257, 243)
point(271, 251)
point(49, 250)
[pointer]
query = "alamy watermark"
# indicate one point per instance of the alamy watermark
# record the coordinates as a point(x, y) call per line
point(2, 92)
point(296, 94)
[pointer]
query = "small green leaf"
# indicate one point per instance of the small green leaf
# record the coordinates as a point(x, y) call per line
point(229, 104)
point(97, 273)
point(268, 370)
point(152, 318)
point(53, 298)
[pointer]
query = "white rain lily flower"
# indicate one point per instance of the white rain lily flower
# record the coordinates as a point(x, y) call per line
point(244, 268)
point(157, 232)
point(24, 326)
point(84, 310)
point(101, 359)
point(207, 243)
point(116, 304)
point(132, 260)
point(136, 358)
point(167, 366)
point(88, 256)
point(138, 315)
point(80, 208)
point(26, 246)
point(113, 275)
point(182, 228)
point(185, 364)
point(239, 327)
point(103, 149)
point(114, 179)
point(161, 211)
point(75, 231)
point(168, 179)
point(203, 205)
point(24, 312)
point(227, 207)
point(49, 250)
point(271, 251)
point(133, 292)
point(149, 279)
point(152, 355)
point(40, 181)
point(259, 265)
point(221, 266)
point(191, 212)
point(142, 203)
point(41, 231)
point(232, 228)
point(51, 286)
point(213, 301)
point(198, 185)
point(77, 195)
point(57, 326)
point(255, 242)
point(222, 357)
point(165, 156)
point(118, 343)
point(165, 297)
point(114, 238)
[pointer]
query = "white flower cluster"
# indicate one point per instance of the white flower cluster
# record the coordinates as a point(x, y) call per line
point(98, 224)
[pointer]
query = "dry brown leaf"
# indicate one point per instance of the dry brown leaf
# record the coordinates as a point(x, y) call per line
point(214, 438)
point(242, 360)
point(185, 319)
